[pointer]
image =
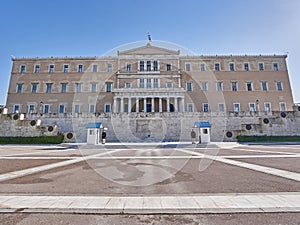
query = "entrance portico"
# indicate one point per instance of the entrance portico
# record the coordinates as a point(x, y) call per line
point(167, 103)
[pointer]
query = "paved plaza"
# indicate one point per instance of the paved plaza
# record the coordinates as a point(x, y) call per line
point(151, 178)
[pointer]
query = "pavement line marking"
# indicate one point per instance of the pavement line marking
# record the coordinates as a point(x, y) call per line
point(152, 157)
point(264, 169)
point(227, 202)
point(264, 151)
point(20, 173)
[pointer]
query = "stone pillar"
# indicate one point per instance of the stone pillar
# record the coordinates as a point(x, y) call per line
point(115, 104)
point(179, 82)
point(122, 104)
point(168, 104)
point(176, 104)
point(160, 104)
point(182, 104)
point(129, 104)
point(145, 105)
point(152, 105)
point(137, 106)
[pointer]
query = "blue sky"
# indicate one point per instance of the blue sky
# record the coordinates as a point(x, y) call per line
point(32, 28)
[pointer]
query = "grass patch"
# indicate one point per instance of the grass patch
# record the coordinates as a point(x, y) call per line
point(32, 140)
point(268, 138)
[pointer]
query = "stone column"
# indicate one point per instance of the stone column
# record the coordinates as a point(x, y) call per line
point(137, 108)
point(182, 104)
point(176, 104)
point(122, 104)
point(160, 104)
point(152, 105)
point(129, 104)
point(168, 104)
point(115, 104)
point(145, 105)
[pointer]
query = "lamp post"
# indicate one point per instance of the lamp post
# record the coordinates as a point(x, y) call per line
point(41, 108)
point(257, 105)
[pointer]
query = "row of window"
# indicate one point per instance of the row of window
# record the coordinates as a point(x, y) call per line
point(65, 68)
point(236, 107)
point(150, 83)
point(63, 87)
point(148, 66)
point(234, 86)
point(46, 108)
point(190, 107)
point(231, 66)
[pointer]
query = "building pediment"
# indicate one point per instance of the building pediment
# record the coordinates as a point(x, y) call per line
point(149, 50)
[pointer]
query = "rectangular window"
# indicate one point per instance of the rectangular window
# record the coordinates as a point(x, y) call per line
point(282, 106)
point(34, 88)
point(19, 88)
point(169, 67)
point(205, 107)
point(219, 86)
point(61, 109)
point(190, 107)
point(80, 69)
point(46, 108)
point(31, 109)
point(264, 85)
point(275, 66)
point(155, 83)
point(217, 66)
point(202, 67)
point(128, 67)
point(236, 107)
point(107, 108)
point(231, 66)
point(48, 87)
point(221, 107)
point(142, 83)
point(63, 87)
point(189, 86)
point(93, 88)
point(279, 85)
point(155, 65)
point(246, 66)
point(22, 69)
point(169, 84)
point(127, 85)
point(108, 87)
point(76, 108)
point(66, 68)
point(95, 68)
point(51, 68)
point(234, 86)
point(267, 107)
point(260, 66)
point(204, 86)
point(252, 107)
point(78, 87)
point(187, 67)
point(92, 108)
point(249, 86)
point(36, 68)
point(141, 65)
point(148, 65)
point(16, 108)
point(148, 82)
point(109, 67)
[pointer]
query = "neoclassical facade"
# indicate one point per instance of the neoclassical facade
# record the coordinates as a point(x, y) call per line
point(150, 79)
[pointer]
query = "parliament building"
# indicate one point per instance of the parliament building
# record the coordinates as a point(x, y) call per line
point(152, 81)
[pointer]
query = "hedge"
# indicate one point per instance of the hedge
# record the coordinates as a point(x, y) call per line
point(32, 140)
point(268, 138)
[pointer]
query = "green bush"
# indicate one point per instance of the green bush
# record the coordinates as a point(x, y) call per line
point(268, 138)
point(32, 140)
